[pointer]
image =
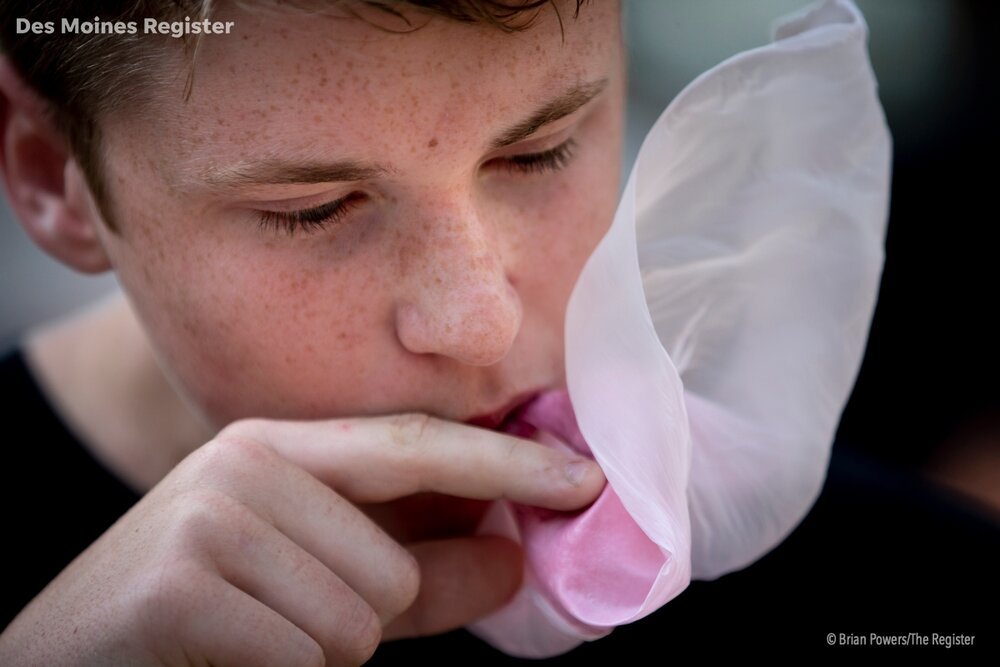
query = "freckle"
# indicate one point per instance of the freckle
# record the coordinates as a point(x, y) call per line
point(433, 142)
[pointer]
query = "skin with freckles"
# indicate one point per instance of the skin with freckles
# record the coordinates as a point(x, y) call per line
point(342, 242)
point(442, 290)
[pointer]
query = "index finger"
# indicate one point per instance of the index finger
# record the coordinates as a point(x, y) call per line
point(377, 459)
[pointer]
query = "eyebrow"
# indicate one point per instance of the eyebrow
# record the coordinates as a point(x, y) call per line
point(276, 171)
point(556, 109)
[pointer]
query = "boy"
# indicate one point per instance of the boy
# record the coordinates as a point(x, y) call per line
point(346, 251)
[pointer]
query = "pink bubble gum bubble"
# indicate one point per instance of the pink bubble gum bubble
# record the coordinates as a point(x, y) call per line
point(594, 564)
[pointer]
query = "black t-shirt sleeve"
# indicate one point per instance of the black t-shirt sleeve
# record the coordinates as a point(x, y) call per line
point(57, 498)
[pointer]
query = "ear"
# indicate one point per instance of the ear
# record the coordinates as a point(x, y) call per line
point(45, 187)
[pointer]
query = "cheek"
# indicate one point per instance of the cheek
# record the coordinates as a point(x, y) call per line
point(566, 230)
point(566, 223)
point(250, 327)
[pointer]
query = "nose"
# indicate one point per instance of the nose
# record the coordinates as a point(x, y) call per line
point(457, 300)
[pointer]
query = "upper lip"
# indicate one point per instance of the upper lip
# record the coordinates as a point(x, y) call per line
point(497, 417)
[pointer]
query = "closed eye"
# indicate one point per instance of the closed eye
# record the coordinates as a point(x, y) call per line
point(308, 219)
point(333, 212)
point(550, 160)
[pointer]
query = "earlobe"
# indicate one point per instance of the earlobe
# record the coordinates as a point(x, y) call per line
point(45, 188)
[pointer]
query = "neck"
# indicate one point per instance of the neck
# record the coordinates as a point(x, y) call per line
point(100, 375)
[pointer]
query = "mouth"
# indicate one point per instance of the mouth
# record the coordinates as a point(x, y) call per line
point(503, 418)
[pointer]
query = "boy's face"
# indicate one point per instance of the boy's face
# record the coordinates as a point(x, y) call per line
point(443, 286)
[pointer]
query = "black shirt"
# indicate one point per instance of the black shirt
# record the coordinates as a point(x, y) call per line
point(880, 552)
point(57, 498)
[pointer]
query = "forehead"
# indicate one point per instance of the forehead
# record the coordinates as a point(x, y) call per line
point(291, 81)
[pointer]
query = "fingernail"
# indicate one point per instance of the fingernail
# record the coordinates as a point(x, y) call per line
point(577, 469)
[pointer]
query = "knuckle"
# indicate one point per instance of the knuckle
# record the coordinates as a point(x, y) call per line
point(406, 446)
point(409, 428)
point(362, 633)
point(193, 520)
point(248, 427)
point(167, 595)
point(514, 450)
point(199, 516)
point(406, 586)
point(230, 449)
point(310, 654)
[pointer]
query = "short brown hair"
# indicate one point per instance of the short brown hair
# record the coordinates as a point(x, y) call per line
point(85, 77)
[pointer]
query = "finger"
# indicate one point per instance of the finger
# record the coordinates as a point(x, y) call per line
point(300, 588)
point(260, 487)
point(462, 580)
point(234, 629)
point(371, 460)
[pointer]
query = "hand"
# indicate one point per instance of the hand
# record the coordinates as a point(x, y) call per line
point(253, 550)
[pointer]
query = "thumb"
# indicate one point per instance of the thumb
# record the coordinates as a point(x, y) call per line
point(461, 580)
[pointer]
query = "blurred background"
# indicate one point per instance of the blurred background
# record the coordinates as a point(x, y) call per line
point(927, 400)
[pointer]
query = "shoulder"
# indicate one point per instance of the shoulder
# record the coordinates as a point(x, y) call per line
point(98, 371)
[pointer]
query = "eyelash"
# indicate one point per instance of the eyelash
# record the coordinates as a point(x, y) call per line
point(333, 212)
point(553, 159)
point(308, 219)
